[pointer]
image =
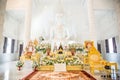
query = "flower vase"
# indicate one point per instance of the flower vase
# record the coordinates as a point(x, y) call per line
point(48, 51)
point(35, 68)
point(19, 68)
point(73, 52)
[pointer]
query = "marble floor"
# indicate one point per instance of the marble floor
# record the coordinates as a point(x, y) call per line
point(8, 71)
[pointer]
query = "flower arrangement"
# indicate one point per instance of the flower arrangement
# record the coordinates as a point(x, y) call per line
point(48, 61)
point(41, 39)
point(69, 60)
point(80, 48)
point(42, 47)
point(39, 48)
point(77, 47)
point(72, 46)
point(19, 65)
point(35, 65)
point(75, 60)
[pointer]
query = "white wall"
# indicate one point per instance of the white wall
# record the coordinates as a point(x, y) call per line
point(24, 7)
point(106, 19)
point(117, 9)
point(106, 23)
point(104, 4)
point(14, 24)
point(2, 13)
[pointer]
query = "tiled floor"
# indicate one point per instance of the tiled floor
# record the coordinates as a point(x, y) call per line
point(8, 71)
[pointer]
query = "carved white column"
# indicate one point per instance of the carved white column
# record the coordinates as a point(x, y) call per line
point(27, 28)
point(1, 35)
point(117, 9)
point(91, 19)
point(2, 13)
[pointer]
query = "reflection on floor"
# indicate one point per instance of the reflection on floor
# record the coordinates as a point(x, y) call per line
point(8, 71)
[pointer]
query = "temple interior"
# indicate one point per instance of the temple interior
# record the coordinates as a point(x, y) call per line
point(59, 39)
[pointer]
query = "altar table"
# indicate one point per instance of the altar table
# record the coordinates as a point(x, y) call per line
point(68, 67)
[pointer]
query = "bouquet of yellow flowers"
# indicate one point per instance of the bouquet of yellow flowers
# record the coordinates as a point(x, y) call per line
point(35, 65)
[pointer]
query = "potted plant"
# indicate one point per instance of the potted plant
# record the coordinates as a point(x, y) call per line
point(48, 51)
point(35, 65)
point(19, 65)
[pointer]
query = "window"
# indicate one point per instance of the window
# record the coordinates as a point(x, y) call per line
point(9, 46)
point(114, 45)
point(110, 45)
point(5, 44)
point(107, 46)
point(12, 45)
point(99, 47)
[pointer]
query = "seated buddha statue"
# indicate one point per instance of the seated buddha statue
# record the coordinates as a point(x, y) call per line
point(60, 49)
point(29, 49)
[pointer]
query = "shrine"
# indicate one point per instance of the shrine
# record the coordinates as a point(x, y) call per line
point(59, 39)
point(63, 60)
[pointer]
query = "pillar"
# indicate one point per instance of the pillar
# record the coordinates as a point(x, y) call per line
point(27, 29)
point(2, 13)
point(117, 9)
point(91, 19)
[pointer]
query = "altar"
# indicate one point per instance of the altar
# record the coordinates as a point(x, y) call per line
point(74, 57)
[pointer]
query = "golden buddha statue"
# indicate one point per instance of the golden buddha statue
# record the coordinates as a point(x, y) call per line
point(60, 49)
